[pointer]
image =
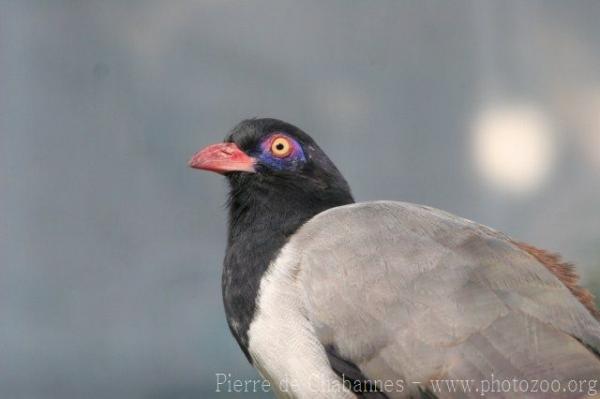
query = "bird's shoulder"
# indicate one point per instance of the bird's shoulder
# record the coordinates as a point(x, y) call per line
point(385, 217)
point(398, 233)
point(393, 275)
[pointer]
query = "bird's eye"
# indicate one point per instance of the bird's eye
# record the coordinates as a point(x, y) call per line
point(281, 147)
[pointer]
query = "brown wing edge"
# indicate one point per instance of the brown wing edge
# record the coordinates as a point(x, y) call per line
point(565, 272)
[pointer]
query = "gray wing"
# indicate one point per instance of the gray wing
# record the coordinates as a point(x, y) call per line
point(408, 292)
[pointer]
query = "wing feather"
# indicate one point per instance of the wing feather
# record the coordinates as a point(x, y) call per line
point(411, 292)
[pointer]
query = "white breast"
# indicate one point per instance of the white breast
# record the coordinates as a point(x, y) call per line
point(282, 341)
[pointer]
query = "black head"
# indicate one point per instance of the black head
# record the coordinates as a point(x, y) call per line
point(278, 160)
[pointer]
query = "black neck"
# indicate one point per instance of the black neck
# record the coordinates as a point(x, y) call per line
point(262, 217)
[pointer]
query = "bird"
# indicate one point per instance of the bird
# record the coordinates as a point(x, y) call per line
point(332, 298)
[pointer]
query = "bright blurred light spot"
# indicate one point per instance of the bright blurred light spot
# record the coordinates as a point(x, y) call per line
point(513, 147)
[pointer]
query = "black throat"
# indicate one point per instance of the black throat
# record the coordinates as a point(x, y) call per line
point(264, 211)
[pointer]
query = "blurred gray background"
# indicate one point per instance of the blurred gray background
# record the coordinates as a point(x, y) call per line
point(111, 248)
